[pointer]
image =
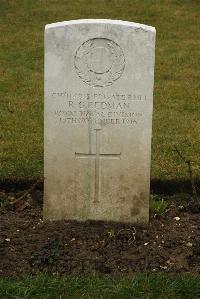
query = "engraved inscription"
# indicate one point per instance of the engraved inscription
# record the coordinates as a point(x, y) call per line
point(99, 108)
point(98, 96)
point(99, 62)
point(98, 113)
point(97, 156)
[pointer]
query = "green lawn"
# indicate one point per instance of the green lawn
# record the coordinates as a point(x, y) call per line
point(176, 104)
point(153, 286)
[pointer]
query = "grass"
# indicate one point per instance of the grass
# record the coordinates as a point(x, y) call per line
point(176, 103)
point(157, 205)
point(154, 286)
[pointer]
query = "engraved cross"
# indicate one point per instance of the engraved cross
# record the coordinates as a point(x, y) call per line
point(97, 156)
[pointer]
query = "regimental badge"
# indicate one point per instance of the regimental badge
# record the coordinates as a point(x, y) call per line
point(99, 62)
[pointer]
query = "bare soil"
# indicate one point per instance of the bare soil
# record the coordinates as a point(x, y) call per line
point(29, 246)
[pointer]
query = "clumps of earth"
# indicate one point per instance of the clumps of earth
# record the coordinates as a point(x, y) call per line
point(29, 246)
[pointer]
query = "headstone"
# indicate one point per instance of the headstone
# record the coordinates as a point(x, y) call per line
point(98, 120)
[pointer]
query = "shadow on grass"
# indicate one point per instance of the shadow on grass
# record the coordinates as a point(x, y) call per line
point(166, 187)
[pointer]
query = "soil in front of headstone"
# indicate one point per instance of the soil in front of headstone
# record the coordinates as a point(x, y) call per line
point(29, 246)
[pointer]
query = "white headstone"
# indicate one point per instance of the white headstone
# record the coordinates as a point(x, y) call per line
point(98, 119)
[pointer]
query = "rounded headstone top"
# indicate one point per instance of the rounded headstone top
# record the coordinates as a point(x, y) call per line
point(102, 21)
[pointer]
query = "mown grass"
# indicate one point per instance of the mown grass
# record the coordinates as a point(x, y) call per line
point(153, 286)
point(176, 103)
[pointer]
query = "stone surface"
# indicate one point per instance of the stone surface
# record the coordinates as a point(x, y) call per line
point(98, 120)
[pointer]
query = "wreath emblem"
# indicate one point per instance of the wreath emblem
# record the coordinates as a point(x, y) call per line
point(99, 62)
